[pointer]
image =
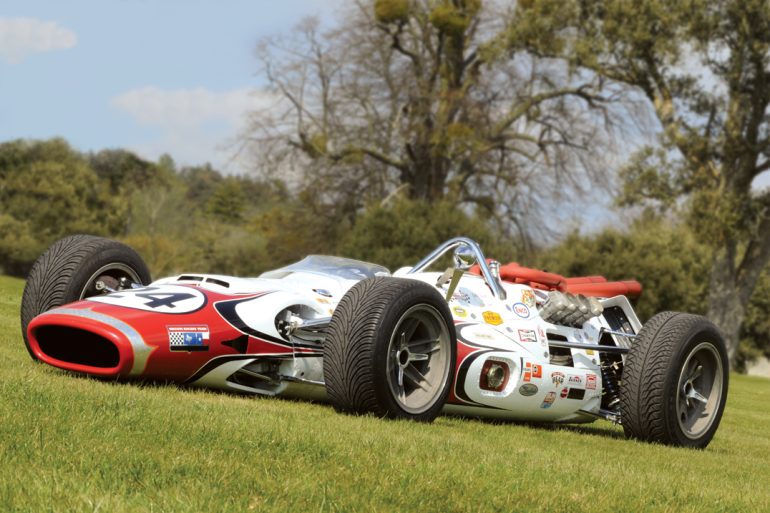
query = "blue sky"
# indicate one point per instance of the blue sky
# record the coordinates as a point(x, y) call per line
point(170, 76)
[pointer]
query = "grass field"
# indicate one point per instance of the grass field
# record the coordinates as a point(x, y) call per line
point(75, 444)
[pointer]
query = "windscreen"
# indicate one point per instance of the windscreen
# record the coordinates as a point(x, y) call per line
point(346, 268)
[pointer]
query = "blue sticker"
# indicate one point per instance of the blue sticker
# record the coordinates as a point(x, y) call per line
point(188, 338)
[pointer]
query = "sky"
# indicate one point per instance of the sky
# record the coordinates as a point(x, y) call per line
point(171, 76)
point(154, 77)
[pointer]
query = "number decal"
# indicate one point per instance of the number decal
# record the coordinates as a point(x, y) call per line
point(170, 299)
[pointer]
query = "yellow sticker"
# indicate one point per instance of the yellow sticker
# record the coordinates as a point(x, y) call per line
point(528, 297)
point(459, 312)
point(492, 318)
point(589, 351)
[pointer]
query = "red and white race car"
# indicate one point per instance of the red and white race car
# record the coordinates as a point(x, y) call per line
point(476, 338)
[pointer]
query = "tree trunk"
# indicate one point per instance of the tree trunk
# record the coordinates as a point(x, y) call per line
point(726, 306)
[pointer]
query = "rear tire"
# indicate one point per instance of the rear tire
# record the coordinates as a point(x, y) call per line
point(390, 350)
point(69, 269)
point(675, 379)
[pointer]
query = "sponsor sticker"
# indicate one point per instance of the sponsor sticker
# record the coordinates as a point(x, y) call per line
point(591, 381)
point(492, 318)
point(564, 392)
point(532, 370)
point(461, 296)
point(528, 298)
point(557, 378)
point(459, 311)
point(188, 338)
point(528, 389)
point(573, 381)
point(550, 397)
point(527, 336)
point(521, 310)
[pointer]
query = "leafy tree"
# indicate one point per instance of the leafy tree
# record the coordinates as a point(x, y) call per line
point(673, 267)
point(227, 202)
point(755, 333)
point(201, 182)
point(124, 171)
point(404, 231)
point(294, 228)
point(666, 258)
point(715, 129)
point(47, 191)
point(415, 96)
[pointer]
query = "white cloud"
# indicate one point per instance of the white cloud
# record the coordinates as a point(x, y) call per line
point(21, 37)
point(182, 108)
point(196, 125)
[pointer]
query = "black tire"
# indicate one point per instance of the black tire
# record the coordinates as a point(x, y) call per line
point(67, 272)
point(368, 327)
point(659, 399)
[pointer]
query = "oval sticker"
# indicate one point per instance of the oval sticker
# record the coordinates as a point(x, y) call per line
point(521, 310)
point(528, 389)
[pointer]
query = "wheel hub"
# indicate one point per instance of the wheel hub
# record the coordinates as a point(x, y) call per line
point(418, 359)
point(699, 391)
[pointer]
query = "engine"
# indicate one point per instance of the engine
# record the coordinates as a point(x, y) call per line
point(569, 309)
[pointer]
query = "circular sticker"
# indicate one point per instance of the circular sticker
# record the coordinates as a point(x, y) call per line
point(167, 299)
point(528, 389)
point(521, 310)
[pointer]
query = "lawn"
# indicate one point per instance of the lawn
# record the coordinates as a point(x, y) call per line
point(76, 444)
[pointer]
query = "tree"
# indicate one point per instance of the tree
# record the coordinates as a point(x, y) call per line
point(714, 129)
point(47, 191)
point(124, 171)
point(415, 96)
point(668, 260)
point(404, 231)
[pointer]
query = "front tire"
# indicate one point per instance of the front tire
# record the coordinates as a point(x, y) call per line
point(69, 270)
point(675, 380)
point(390, 350)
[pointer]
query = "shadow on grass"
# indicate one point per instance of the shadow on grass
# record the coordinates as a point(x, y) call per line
point(585, 429)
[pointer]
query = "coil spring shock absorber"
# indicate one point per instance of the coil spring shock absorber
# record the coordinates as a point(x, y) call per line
point(610, 380)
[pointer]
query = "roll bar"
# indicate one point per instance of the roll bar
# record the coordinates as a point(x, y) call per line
point(489, 278)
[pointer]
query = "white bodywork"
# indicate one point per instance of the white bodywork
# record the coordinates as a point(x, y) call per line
point(508, 330)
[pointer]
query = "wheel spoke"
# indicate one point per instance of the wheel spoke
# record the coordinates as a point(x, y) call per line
point(401, 377)
point(695, 373)
point(694, 394)
point(418, 357)
point(421, 342)
point(415, 377)
point(408, 327)
point(402, 394)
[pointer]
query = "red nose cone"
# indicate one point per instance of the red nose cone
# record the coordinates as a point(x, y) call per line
point(83, 341)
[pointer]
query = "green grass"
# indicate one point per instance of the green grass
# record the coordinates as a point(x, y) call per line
point(75, 444)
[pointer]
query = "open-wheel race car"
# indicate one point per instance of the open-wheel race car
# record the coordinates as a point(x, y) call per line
point(476, 339)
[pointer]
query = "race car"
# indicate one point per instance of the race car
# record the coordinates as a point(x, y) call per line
point(470, 337)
